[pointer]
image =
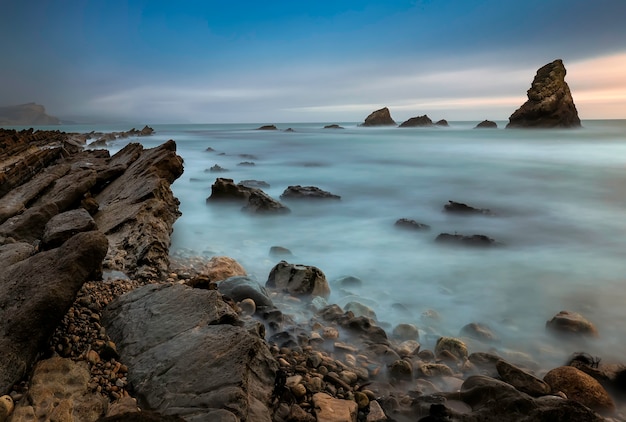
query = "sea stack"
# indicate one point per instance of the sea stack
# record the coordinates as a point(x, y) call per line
point(550, 103)
point(380, 117)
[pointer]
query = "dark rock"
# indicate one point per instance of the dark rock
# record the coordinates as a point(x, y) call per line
point(261, 203)
point(333, 126)
point(550, 103)
point(289, 130)
point(571, 323)
point(419, 121)
point(29, 226)
point(298, 280)
point(486, 124)
point(522, 380)
point(63, 226)
point(226, 190)
point(307, 192)
point(145, 416)
point(217, 169)
point(279, 251)
point(245, 287)
point(408, 224)
point(479, 240)
point(185, 360)
point(36, 293)
point(442, 122)
point(138, 210)
point(15, 252)
point(464, 209)
point(146, 131)
point(246, 164)
point(209, 149)
point(267, 127)
point(401, 370)
point(380, 117)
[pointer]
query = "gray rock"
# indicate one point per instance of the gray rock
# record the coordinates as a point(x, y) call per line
point(29, 225)
point(244, 287)
point(63, 226)
point(307, 192)
point(298, 280)
point(15, 252)
point(36, 293)
point(187, 358)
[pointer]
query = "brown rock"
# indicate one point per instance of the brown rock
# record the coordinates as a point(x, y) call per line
point(452, 345)
point(522, 380)
point(222, 267)
point(63, 226)
point(566, 322)
point(580, 387)
point(419, 121)
point(329, 409)
point(380, 117)
point(550, 103)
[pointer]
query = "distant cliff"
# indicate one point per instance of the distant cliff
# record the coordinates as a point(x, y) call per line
point(26, 114)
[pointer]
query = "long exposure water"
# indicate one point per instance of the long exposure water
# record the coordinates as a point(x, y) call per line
point(559, 197)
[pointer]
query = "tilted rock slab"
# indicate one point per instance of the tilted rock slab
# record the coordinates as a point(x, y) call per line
point(36, 293)
point(380, 117)
point(550, 103)
point(188, 356)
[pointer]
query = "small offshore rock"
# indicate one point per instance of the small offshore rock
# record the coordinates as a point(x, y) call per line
point(279, 251)
point(408, 224)
point(267, 127)
point(486, 124)
point(307, 192)
point(475, 240)
point(333, 126)
point(419, 121)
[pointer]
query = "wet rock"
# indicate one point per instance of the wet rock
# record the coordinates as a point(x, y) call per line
point(358, 309)
point(348, 282)
point(261, 203)
point(434, 370)
point(478, 331)
point(464, 209)
point(452, 345)
point(63, 226)
point(380, 117)
point(329, 409)
point(571, 323)
point(475, 240)
point(240, 288)
point(35, 294)
point(279, 251)
point(408, 224)
point(186, 356)
point(550, 103)
point(486, 124)
point(419, 121)
point(580, 387)
point(401, 370)
point(307, 192)
point(298, 280)
point(59, 390)
point(522, 380)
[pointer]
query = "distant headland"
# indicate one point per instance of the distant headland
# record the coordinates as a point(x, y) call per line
point(26, 114)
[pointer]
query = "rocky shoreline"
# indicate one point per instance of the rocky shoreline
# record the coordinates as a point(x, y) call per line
point(102, 324)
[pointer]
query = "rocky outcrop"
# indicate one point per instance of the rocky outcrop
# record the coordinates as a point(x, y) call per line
point(550, 103)
point(380, 117)
point(30, 114)
point(35, 294)
point(307, 192)
point(486, 124)
point(419, 121)
point(460, 208)
point(190, 356)
point(255, 200)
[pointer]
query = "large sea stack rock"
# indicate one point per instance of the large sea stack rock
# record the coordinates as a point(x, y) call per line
point(550, 103)
point(380, 117)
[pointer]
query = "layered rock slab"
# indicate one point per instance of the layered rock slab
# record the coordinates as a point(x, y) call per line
point(550, 103)
point(189, 356)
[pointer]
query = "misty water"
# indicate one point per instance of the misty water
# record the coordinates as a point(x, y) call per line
point(559, 197)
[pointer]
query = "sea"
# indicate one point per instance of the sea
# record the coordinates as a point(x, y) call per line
point(558, 198)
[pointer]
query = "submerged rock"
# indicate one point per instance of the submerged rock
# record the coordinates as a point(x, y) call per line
point(380, 117)
point(550, 103)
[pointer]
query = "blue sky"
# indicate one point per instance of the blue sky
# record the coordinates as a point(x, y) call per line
point(290, 61)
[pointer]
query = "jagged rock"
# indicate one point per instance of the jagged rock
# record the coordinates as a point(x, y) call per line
point(333, 126)
point(464, 209)
point(550, 103)
point(146, 131)
point(572, 323)
point(479, 240)
point(267, 127)
point(187, 357)
point(36, 293)
point(226, 190)
point(261, 203)
point(63, 226)
point(419, 121)
point(486, 124)
point(138, 210)
point(30, 114)
point(59, 389)
point(580, 387)
point(442, 122)
point(299, 280)
point(380, 117)
point(406, 223)
point(307, 192)
point(217, 169)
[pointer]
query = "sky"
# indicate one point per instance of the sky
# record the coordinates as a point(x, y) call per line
point(159, 61)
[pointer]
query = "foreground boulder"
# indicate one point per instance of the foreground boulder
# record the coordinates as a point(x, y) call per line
point(580, 387)
point(36, 293)
point(189, 356)
point(550, 103)
point(298, 280)
point(380, 117)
